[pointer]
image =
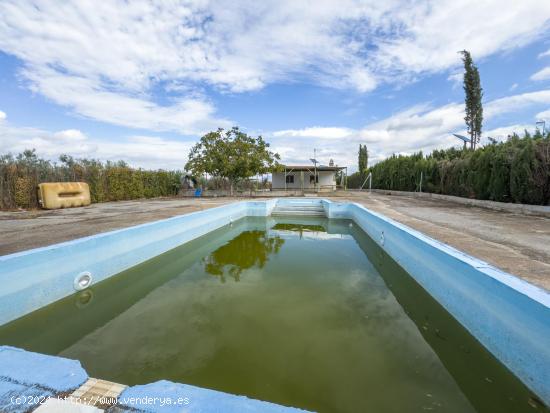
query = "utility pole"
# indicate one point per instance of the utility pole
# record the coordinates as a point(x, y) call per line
point(543, 123)
point(314, 160)
point(315, 177)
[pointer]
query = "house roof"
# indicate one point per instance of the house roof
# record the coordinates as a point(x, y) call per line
point(310, 168)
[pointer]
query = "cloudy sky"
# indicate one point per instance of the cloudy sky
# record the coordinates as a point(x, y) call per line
point(142, 81)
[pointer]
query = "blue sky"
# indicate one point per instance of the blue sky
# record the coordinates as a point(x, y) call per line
point(143, 81)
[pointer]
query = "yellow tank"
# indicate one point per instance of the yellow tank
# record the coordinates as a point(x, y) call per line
point(54, 195)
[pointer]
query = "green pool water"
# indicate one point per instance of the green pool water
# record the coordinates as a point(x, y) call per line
point(308, 313)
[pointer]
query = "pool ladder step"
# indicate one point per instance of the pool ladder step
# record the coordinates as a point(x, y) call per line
point(313, 210)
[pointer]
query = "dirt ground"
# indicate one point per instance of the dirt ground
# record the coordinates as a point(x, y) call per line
point(518, 244)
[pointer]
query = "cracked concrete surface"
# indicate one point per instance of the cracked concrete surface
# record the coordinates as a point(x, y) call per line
point(518, 244)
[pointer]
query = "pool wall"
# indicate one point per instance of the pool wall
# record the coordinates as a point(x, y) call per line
point(38, 277)
point(510, 317)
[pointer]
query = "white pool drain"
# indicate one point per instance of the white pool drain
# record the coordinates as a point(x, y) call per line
point(82, 281)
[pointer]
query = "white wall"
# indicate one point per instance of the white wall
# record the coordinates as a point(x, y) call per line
point(326, 178)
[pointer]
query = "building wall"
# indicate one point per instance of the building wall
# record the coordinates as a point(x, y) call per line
point(326, 178)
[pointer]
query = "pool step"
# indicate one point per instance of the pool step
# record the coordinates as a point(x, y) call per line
point(299, 208)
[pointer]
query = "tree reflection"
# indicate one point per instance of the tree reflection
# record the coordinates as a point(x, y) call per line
point(248, 249)
point(300, 228)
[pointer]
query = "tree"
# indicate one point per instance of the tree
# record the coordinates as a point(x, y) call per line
point(232, 155)
point(363, 159)
point(473, 95)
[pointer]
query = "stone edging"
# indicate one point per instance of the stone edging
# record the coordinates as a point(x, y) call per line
point(526, 209)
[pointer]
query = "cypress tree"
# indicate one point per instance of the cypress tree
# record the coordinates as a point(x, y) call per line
point(473, 95)
point(363, 160)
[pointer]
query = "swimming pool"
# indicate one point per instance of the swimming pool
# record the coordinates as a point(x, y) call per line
point(312, 313)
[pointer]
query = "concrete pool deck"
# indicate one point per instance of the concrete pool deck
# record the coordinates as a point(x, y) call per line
point(515, 243)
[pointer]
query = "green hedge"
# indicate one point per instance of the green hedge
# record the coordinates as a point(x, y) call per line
point(110, 181)
point(517, 170)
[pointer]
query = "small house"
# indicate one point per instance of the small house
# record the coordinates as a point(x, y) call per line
point(308, 178)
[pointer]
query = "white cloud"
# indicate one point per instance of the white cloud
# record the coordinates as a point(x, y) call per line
point(140, 151)
point(513, 87)
point(516, 102)
point(544, 54)
point(2, 116)
point(109, 61)
point(316, 132)
point(87, 98)
point(420, 127)
point(147, 65)
point(457, 78)
point(543, 74)
point(501, 133)
point(545, 115)
point(150, 152)
point(70, 135)
point(417, 128)
point(433, 34)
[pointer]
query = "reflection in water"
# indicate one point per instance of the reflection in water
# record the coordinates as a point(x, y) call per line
point(248, 249)
point(299, 227)
point(314, 326)
point(84, 298)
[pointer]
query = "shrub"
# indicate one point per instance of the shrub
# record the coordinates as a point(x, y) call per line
point(20, 176)
point(517, 170)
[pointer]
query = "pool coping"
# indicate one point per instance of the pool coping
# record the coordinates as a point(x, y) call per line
point(532, 291)
point(63, 383)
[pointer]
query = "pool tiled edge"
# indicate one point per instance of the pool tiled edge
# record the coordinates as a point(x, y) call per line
point(29, 380)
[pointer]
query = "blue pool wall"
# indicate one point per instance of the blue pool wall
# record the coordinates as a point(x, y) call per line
point(35, 278)
point(510, 317)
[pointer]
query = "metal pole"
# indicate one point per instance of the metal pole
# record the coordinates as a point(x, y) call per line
point(346, 180)
point(370, 181)
point(368, 178)
point(285, 178)
point(421, 175)
point(315, 173)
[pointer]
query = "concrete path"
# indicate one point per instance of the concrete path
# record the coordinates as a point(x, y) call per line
point(30, 229)
point(516, 243)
